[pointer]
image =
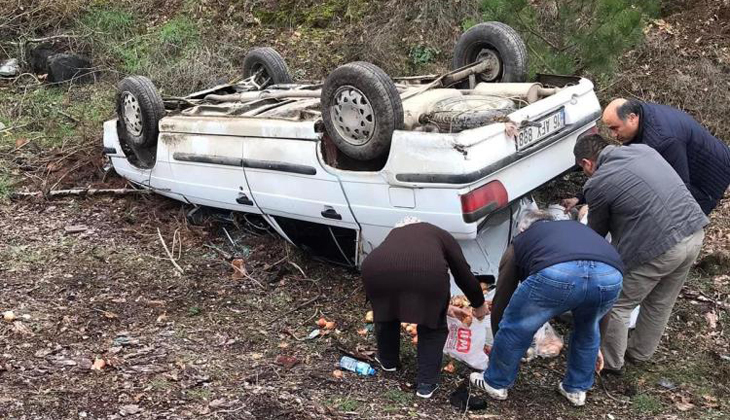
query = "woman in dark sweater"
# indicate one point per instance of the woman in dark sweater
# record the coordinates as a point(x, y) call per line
point(407, 279)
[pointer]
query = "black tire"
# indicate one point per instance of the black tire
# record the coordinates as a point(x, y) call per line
point(493, 39)
point(139, 110)
point(373, 120)
point(273, 66)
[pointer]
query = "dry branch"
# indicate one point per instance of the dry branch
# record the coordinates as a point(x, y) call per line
point(169, 254)
point(79, 192)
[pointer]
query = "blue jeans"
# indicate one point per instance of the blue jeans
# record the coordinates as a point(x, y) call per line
point(586, 288)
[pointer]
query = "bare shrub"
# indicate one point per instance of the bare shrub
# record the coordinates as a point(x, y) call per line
point(400, 26)
point(668, 71)
point(200, 68)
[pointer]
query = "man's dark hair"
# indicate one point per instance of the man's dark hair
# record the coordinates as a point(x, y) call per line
point(589, 147)
point(631, 106)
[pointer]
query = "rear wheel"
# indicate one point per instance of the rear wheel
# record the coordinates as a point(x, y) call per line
point(361, 108)
point(268, 67)
point(497, 44)
point(139, 110)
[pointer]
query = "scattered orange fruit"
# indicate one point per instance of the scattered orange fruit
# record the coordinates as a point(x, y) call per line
point(9, 316)
point(321, 322)
point(99, 364)
point(329, 325)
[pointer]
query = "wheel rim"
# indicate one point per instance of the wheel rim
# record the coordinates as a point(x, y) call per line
point(353, 116)
point(132, 114)
point(492, 57)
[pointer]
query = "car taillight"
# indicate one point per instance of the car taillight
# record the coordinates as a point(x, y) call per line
point(483, 200)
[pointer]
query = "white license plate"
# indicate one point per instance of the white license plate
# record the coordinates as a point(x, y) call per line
point(541, 129)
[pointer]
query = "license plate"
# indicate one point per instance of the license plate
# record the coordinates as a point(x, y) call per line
point(540, 129)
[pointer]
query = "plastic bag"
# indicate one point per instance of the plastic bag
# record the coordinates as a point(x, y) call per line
point(466, 342)
point(558, 212)
point(547, 342)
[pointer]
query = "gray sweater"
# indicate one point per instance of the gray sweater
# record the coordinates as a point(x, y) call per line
point(637, 196)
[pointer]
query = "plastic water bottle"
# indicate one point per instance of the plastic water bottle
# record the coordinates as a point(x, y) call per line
point(354, 365)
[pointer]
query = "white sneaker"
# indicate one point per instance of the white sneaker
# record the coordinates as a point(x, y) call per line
point(578, 398)
point(477, 379)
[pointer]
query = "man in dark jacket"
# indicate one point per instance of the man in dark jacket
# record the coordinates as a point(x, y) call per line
point(657, 228)
point(566, 267)
point(701, 160)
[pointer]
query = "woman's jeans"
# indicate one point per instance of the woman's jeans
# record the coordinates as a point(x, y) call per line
point(586, 288)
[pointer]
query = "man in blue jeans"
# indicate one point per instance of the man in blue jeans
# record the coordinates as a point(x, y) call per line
point(564, 266)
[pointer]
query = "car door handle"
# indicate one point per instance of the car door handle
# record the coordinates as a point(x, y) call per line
point(243, 199)
point(331, 214)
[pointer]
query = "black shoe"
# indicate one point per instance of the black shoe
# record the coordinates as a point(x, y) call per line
point(386, 368)
point(614, 372)
point(426, 390)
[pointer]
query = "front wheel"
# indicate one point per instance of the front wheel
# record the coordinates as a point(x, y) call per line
point(139, 110)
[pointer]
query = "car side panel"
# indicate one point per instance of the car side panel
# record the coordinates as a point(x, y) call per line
point(287, 180)
point(208, 170)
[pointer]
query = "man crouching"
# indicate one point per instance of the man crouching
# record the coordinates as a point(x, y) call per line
point(564, 266)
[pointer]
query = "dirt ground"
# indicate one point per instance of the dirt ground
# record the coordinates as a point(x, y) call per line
point(90, 280)
point(205, 343)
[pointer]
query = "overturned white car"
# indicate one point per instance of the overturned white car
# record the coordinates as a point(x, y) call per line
point(333, 166)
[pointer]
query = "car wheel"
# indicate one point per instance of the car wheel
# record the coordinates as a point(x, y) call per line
point(361, 108)
point(267, 66)
point(497, 43)
point(139, 110)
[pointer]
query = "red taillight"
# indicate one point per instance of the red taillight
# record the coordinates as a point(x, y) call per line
point(483, 200)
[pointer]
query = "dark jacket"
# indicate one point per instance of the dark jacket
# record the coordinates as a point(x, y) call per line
point(546, 243)
point(700, 159)
point(640, 199)
point(406, 277)
point(542, 245)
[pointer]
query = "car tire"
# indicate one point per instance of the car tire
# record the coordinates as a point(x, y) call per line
point(139, 110)
point(270, 62)
point(361, 108)
point(493, 41)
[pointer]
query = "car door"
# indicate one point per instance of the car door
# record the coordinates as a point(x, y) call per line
point(207, 169)
point(288, 184)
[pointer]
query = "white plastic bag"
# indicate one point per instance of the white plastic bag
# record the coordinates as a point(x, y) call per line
point(547, 342)
point(466, 342)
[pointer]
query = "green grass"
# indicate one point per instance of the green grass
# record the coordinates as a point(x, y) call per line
point(160, 384)
point(397, 396)
point(421, 55)
point(45, 115)
point(179, 32)
point(109, 21)
point(319, 15)
point(348, 404)
point(5, 187)
point(199, 393)
point(646, 404)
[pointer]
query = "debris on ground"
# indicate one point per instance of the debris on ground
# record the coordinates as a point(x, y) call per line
point(10, 68)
